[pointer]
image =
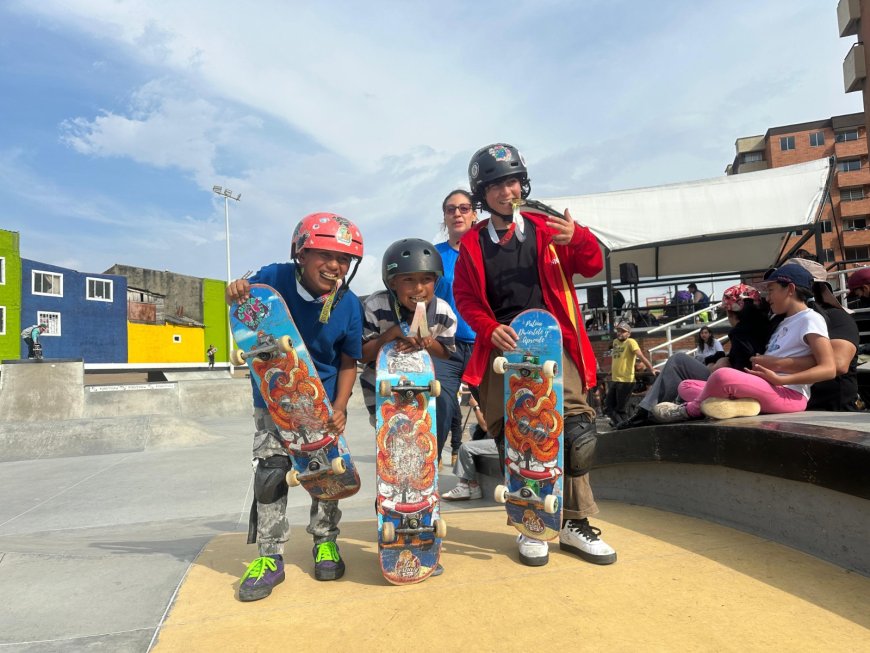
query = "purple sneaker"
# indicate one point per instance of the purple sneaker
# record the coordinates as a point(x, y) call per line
point(260, 577)
point(328, 564)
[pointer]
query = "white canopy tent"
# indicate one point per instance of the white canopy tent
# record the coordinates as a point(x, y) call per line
point(727, 224)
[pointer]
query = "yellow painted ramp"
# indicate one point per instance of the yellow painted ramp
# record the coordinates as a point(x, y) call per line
point(679, 584)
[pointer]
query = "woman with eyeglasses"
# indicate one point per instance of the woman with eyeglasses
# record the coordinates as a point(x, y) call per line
point(458, 216)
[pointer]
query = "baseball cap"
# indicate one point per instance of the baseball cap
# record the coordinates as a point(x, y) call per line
point(623, 326)
point(817, 270)
point(789, 273)
point(859, 278)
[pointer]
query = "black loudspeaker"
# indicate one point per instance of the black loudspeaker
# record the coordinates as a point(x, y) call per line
point(628, 273)
point(595, 297)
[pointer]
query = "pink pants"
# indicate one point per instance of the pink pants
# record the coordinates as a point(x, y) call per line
point(727, 383)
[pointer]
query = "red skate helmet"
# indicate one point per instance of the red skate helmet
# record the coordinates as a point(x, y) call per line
point(327, 231)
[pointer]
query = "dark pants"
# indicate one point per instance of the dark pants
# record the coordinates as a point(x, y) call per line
point(616, 401)
point(33, 350)
point(448, 415)
point(679, 367)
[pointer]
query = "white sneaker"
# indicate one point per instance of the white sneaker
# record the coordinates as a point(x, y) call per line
point(668, 412)
point(728, 408)
point(534, 553)
point(580, 538)
point(463, 492)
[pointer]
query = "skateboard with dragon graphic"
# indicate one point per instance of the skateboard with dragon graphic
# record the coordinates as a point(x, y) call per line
point(533, 426)
point(283, 372)
point(409, 524)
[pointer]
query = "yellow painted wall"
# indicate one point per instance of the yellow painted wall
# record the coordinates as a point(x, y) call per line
point(152, 343)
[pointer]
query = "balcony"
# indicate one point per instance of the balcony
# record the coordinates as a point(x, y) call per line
point(851, 149)
point(848, 15)
point(853, 178)
point(855, 208)
point(854, 69)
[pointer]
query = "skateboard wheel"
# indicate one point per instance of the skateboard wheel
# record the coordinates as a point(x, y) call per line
point(551, 504)
point(500, 494)
point(499, 365)
point(237, 357)
point(338, 466)
point(434, 387)
point(388, 532)
point(549, 369)
point(440, 528)
point(385, 388)
point(285, 344)
point(292, 478)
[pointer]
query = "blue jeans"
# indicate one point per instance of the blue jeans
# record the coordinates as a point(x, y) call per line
point(448, 415)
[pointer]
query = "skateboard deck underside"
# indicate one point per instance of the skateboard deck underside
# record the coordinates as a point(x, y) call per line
point(294, 394)
point(534, 427)
point(407, 470)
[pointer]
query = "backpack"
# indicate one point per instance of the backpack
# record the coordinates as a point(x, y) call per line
point(26, 332)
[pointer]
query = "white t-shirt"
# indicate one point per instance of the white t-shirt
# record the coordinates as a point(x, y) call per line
point(789, 340)
point(708, 349)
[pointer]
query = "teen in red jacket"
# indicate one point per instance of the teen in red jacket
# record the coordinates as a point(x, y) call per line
point(508, 265)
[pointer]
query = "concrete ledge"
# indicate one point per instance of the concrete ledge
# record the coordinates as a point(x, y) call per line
point(803, 480)
point(82, 437)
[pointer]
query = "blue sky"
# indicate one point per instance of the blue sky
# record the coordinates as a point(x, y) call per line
point(119, 116)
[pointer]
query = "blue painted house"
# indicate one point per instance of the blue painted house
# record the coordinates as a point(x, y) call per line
point(86, 313)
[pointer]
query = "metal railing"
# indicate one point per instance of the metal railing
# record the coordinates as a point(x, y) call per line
point(669, 327)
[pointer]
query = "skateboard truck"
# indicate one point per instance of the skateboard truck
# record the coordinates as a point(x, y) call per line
point(264, 350)
point(407, 391)
point(548, 369)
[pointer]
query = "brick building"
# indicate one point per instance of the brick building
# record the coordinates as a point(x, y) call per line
point(846, 217)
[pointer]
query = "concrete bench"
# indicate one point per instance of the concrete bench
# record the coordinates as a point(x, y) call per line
point(802, 479)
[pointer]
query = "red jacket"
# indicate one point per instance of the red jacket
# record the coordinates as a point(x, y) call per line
point(556, 266)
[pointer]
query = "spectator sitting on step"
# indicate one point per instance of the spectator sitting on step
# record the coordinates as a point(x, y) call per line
point(841, 392)
point(708, 347)
point(729, 393)
point(468, 487)
point(859, 288)
point(750, 331)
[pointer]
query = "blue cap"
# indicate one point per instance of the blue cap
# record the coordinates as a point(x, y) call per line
point(790, 273)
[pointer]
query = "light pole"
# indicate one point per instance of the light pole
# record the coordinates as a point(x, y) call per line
point(227, 194)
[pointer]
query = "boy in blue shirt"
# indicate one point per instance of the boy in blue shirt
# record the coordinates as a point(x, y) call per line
point(329, 318)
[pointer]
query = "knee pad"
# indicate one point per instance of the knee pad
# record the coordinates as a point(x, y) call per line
point(269, 482)
point(580, 441)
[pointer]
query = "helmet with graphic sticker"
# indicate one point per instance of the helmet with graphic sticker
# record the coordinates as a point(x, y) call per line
point(327, 231)
point(495, 162)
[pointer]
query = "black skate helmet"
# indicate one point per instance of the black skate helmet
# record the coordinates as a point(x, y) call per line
point(410, 255)
point(492, 163)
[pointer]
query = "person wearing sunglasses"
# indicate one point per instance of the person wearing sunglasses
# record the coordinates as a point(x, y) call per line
point(458, 216)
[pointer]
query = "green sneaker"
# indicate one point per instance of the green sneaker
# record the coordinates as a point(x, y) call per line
point(328, 564)
point(260, 577)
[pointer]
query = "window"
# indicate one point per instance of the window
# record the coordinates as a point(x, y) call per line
point(752, 157)
point(786, 143)
point(828, 256)
point(849, 166)
point(2, 271)
point(47, 283)
point(817, 139)
point(826, 226)
point(100, 289)
point(857, 253)
point(176, 339)
point(849, 135)
point(851, 194)
point(2, 320)
point(854, 224)
point(52, 320)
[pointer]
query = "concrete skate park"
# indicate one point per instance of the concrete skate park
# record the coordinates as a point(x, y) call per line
point(124, 514)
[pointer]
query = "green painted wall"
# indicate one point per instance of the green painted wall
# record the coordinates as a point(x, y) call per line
point(215, 315)
point(10, 295)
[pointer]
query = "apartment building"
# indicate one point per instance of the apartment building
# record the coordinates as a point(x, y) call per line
point(846, 217)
